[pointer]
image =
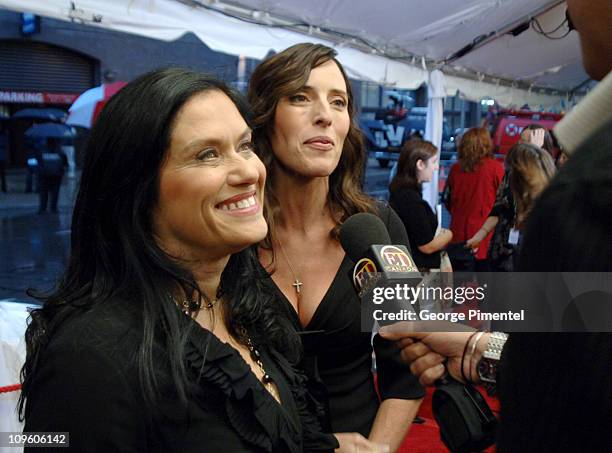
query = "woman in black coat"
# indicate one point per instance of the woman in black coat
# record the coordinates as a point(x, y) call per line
point(160, 336)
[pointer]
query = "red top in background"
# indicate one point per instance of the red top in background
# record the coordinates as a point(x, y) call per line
point(472, 195)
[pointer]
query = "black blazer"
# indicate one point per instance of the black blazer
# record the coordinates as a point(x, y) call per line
point(88, 384)
point(554, 388)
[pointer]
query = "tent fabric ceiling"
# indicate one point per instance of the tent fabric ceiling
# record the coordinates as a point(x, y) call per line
point(434, 29)
point(533, 58)
point(438, 28)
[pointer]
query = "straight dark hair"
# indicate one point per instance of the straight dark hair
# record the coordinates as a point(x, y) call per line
point(412, 151)
point(114, 255)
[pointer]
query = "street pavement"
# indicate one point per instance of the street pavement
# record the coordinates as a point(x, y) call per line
point(33, 247)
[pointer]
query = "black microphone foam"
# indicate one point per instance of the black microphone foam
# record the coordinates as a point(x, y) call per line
point(359, 232)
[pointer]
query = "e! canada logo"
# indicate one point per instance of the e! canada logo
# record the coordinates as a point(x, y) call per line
point(395, 259)
point(363, 268)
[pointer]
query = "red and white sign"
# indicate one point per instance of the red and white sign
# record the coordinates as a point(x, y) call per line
point(36, 97)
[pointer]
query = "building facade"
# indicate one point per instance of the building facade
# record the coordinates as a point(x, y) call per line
point(59, 60)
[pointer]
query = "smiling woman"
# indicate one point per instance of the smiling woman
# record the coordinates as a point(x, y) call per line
point(211, 184)
point(160, 336)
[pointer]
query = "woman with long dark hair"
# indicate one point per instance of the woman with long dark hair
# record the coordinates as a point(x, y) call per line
point(307, 137)
point(416, 165)
point(160, 336)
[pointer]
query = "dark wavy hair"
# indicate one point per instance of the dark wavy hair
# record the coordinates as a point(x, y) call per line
point(113, 251)
point(282, 75)
point(412, 151)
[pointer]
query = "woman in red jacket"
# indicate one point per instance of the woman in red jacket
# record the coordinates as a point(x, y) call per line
point(472, 185)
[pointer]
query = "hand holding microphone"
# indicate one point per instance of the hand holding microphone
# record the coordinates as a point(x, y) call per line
point(465, 420)
point(431, 354)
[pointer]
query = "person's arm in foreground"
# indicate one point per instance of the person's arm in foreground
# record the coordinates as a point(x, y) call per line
point(356, 443)
point(401, 395)
point(393, 420)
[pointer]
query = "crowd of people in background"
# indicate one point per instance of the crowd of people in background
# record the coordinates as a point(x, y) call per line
point(488, 200)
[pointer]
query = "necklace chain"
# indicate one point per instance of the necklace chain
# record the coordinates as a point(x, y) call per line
point(297, 284)
point(266, 379)
point(189, 305)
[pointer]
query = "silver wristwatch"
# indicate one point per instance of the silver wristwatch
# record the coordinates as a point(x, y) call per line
point(487, 367)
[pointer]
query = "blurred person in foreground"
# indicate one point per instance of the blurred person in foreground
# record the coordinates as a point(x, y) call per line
point(417, 163)
point(306, 135)
point(160, 336)
point(470, 191)
point(555, 388)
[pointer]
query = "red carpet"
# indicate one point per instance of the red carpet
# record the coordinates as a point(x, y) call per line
point(425, 437)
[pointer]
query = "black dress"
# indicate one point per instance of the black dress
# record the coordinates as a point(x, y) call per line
point(338, 355)
point(88, 384)
point(421, 224)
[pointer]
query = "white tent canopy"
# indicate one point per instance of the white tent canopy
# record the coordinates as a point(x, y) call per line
point(369, 37)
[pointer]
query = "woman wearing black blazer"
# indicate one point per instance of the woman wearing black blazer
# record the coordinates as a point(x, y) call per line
point(160, 337)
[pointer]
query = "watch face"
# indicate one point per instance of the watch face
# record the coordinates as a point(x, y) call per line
point(487, 371)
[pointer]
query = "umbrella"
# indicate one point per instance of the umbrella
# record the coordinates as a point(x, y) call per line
point(88, 105)
point(56, 130)
point(49, 114)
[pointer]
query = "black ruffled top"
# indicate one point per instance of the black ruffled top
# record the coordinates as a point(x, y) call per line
point(88, 384)
point(256, 417)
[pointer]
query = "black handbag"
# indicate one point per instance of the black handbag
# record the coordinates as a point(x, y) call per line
point(466, 421)
point(461, 257)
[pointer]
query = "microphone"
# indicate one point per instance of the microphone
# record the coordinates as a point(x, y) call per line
point(466, 422)
point(379, 265)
